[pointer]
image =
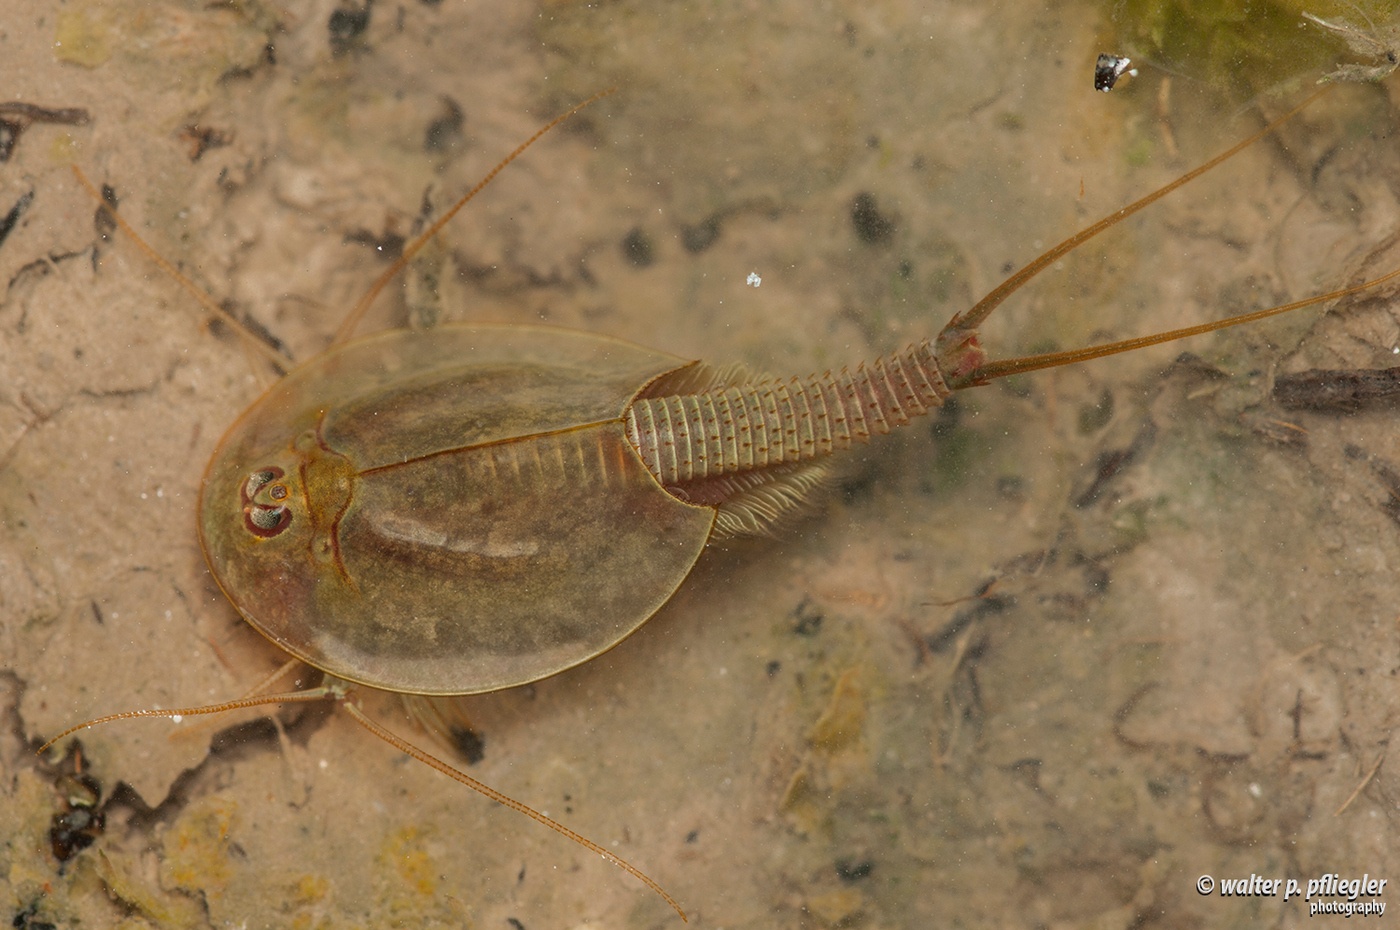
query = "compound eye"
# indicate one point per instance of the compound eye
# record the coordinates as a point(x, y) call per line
point(263, 514)
point(266, 521)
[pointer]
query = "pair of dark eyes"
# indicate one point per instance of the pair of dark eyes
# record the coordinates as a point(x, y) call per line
point(265, 520)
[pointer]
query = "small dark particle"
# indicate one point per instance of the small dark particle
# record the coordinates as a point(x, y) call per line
point(857, 485)
point(74, 828)
point(346, 25)
point(1109, 68)
point(692, 836)
point(1107, 465)
point(1337, 391)
point(249, 323)
point(515, 924)
point(201, 139)
point(1159, 789)
point(1028, 770)
point(24, 919)
point(11, 219)
point(1112, 463)
point(701, 236)
point(445, 131)
point(984, 606)
point(9, 137)
point(1096, 579)
point(872, 226)
point(103, 221)
point(772, 668)
point(244, 737)
point(388, 244)
point(809, 619)
point(1388, 476)
point(70, 832)
point(945, 420)
point(1095, 416)
point(470, 744)
point(636, 246)
point(852, 870)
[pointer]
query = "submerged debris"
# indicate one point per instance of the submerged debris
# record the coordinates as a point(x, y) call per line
point(1337, 391)
point(1109, 68)
point(1377, 43)
point(16, 117)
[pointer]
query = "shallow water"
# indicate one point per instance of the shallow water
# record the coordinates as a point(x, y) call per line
point(1184, 663)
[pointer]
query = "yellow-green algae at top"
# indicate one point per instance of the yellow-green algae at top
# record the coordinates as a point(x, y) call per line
point(1242, 48)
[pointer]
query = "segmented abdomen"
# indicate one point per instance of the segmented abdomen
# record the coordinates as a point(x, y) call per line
point(728, 430)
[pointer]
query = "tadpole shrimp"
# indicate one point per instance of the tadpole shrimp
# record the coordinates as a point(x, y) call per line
point(976, 370)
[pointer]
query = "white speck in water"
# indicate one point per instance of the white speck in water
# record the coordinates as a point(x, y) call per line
point(324, 765)
point(1255, 790)
point(753, 280)
point(177, 718)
